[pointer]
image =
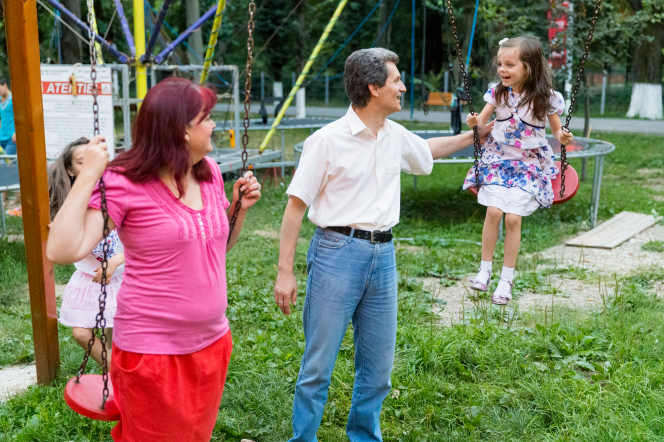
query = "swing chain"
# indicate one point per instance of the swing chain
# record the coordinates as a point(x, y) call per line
point(462, 67)
point(247, 107)
point(582, 67)
point(100, 323)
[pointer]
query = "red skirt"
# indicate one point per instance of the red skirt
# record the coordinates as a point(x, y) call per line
point(169, 397)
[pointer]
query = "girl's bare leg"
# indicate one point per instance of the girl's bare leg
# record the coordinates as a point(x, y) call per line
point(490, 232)
point(512, 239)
point(503, 292)
point(82, 337)
point(489, 239)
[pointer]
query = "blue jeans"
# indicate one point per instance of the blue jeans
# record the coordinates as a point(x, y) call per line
point(8, 146)
point(349, 279)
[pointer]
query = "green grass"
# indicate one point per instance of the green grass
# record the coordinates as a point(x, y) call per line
point(653, 246)
point(537, 376)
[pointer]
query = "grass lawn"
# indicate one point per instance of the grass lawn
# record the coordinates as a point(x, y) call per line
point(554, 376)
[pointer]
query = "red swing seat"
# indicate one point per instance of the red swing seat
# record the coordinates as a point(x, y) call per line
point(85, 398)
point(571, 185)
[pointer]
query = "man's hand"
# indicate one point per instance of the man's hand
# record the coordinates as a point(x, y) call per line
point(285, 287)
point(285, 291)
point(484, 133)
point(14, 137)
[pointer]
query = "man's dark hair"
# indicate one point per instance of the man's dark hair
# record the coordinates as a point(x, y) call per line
point(3, 79)
point(365, 67)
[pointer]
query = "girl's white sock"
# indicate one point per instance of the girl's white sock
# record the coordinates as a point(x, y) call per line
point(507, 273)
point(506, 276)
point(483, 277)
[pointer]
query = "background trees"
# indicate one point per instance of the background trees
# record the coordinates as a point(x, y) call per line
point(629, 37)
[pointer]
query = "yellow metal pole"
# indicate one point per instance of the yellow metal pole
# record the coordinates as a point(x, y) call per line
point(209, 54)
point(304, 73)
point(93, 24)
point(139, 40)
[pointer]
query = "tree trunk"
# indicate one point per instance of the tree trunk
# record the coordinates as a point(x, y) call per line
point(72, 46)
point(464, 50)
point(195, 40)
point(382, 18)
point(648, 62)
point(303, 20)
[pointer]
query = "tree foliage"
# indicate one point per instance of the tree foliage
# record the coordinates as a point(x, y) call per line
point(624, 26)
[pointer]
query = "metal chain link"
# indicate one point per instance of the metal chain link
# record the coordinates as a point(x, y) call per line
point(100, 324)
point(582, 67)
point(247, 107)
point(462, 67)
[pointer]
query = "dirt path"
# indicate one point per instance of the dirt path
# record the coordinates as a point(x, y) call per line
point(575, 294)
point(16, 378)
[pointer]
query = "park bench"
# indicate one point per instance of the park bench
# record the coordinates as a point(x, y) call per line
point(439, 99)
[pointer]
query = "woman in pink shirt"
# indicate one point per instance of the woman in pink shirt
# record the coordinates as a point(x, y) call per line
point(172, 342)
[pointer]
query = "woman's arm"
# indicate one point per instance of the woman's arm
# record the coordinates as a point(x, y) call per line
point(563, 136)
point(76, 229)
point(252, 193)
point(480, 120)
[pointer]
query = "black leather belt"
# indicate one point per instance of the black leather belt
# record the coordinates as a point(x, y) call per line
point(375, 237)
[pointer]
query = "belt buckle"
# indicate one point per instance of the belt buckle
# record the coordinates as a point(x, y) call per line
point(373, 241)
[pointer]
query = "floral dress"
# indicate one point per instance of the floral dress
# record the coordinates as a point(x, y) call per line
point(516, 153)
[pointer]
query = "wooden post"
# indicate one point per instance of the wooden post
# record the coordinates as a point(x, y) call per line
point(23, 51)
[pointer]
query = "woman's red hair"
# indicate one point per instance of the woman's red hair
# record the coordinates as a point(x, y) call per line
point(158, 134)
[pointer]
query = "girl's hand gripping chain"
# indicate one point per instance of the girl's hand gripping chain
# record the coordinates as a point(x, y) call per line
point(472, 120)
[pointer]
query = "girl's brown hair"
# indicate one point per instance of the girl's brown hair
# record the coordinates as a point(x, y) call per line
point(59, 181)
point(538, 87)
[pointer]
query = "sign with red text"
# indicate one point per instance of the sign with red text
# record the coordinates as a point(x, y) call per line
point(67, 99)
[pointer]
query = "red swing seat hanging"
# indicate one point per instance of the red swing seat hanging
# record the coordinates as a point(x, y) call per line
point(86, 396)
point(571, 185)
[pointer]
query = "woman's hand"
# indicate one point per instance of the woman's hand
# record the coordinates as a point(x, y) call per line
point(95, 158)
point(251, 188)
point(472, 120)
point(565, 137)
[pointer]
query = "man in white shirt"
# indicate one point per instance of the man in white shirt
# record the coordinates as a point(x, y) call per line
point(349, 177)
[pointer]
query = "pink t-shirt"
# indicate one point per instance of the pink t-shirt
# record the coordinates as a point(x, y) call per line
point(173, 296)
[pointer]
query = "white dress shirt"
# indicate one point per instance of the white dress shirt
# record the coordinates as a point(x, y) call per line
point(348, 177)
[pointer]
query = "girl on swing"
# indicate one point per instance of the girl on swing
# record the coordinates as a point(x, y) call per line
point(171, 337)
point(80, 300)
point(517, 163)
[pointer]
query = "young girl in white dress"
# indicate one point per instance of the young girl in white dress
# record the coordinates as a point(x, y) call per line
point(517, 163)
point(80, 300)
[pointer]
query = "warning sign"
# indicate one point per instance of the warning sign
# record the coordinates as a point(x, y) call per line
point(67, 98)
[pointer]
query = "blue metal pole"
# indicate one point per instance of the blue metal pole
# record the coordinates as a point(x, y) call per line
point(59, 32)
point(121, 57)
point(125, 27)
point(163, 54)
point(472, 33)
point(155, 31)
point(412, 65)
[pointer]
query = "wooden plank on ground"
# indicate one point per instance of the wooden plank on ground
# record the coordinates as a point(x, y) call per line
point(615, 231)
